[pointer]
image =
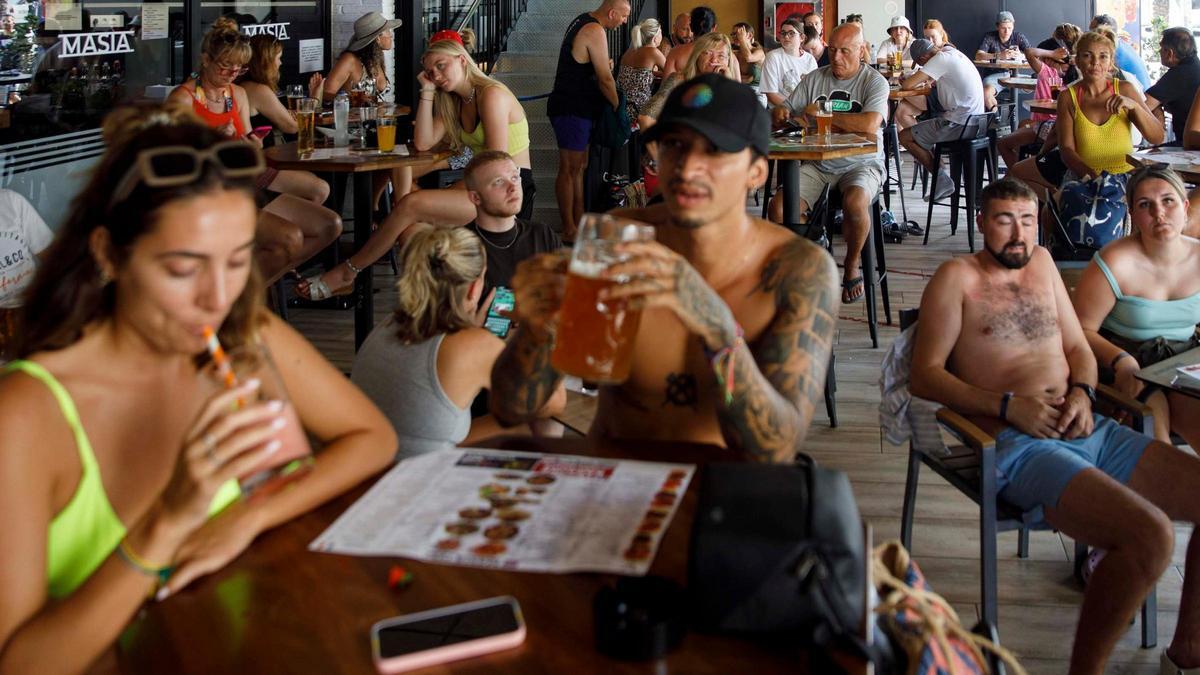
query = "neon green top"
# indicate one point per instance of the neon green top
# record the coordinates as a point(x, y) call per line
point(87, 530)
point(518, 137)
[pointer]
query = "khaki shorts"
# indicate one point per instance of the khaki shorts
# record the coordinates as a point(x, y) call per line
point(813, 181)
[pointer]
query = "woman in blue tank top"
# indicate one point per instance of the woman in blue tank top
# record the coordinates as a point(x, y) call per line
point(1139, 299)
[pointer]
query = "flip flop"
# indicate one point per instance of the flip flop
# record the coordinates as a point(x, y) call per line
point(848, 285)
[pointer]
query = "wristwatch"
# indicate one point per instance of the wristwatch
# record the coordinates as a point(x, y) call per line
point(1088, 390)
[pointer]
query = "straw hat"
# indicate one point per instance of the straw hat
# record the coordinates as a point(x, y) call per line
point(368, 27)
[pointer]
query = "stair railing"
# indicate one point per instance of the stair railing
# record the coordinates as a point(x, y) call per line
point(492, 21)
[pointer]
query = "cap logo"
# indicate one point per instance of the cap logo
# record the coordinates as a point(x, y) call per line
point(698, 96)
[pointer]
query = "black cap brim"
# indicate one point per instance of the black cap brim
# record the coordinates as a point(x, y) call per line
point(718, 135)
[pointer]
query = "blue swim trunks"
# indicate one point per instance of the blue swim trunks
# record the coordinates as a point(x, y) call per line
point(1034, 472)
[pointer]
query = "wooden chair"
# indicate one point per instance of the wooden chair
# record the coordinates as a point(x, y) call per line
point(971, 468)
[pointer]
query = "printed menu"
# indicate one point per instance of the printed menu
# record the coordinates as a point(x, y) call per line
point(516, 511)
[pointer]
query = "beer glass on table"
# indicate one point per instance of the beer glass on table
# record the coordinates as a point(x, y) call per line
point(898, 62)
point(595, 337)
point(824, 117)
point(295, 92)
point(294, 456)
point(306, 120)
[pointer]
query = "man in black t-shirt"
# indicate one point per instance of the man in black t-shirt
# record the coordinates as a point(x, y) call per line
point(493, 184)
point(1176, 89)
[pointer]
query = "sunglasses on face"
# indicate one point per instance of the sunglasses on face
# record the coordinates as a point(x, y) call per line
point(175, 165)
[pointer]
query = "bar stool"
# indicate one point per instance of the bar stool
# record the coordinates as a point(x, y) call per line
point(964, 155)
point(874, 260)
point(891, 154)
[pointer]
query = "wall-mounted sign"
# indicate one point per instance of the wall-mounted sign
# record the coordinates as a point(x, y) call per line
point(64, 16)
point(279, 30)
point(93, 44)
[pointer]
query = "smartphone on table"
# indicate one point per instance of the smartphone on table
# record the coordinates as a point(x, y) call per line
point(497, 320)
point(447, 634)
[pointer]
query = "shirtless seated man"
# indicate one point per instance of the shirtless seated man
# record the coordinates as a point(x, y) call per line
point(713, 273)
point(1008, 352)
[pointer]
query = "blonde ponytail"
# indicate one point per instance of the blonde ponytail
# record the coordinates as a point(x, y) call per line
point(437, 266)
point(642, 33)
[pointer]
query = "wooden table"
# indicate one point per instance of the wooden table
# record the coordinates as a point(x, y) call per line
point(326, 116)
point(280, 608)
point(359, 165)
point(1047, 106)
point(813, 148)
point(1022, 83)
point(1164, 374)
point(1189, 171)
point(1011, 66)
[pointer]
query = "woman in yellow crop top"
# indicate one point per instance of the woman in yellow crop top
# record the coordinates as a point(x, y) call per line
point(460, 106)
point(1095, 119)
point(118, 465)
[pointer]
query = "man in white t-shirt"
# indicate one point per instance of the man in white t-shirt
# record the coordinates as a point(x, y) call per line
point(23, 235)
point(785, 67)
point(959, 96)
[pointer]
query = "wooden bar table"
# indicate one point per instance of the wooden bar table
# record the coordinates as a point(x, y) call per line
point(1046, 106)
point(1186, 163)
point(1011, 66)
point(280, 608)
point(359, 164)
point(813, 148)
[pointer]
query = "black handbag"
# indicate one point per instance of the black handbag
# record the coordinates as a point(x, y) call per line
point(778, 549)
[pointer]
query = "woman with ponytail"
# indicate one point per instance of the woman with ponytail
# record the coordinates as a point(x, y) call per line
point(121, 452)
point(425, 365)
point(635, 76)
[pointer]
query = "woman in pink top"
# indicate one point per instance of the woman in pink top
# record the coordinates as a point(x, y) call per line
point(1039, 126)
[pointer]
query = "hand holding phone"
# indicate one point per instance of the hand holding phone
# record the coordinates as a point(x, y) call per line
point(447, 634)
point(499, 314)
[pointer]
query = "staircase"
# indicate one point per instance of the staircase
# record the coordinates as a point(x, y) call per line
point(527, 68)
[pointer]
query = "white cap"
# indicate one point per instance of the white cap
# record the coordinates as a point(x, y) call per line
point(898, 21)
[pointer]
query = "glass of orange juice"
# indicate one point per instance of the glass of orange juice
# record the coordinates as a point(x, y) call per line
point(294, 457)
point(386, 131)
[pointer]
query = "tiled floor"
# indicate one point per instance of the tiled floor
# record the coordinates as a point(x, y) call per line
point(1039, 599)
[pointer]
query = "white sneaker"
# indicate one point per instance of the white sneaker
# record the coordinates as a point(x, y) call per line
point(945, 186)
point(1168, 667)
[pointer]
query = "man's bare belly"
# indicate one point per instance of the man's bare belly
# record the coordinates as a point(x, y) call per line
point(1010, 341)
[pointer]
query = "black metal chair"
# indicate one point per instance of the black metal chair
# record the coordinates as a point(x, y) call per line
point(874, 257)
point(967, 155)
point(971, 468)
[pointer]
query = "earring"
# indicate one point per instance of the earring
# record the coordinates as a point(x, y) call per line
point(105, 278)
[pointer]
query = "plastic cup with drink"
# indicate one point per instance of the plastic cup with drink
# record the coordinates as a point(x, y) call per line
point(595, 338)
point(294, 457)
point(306, 121)
point(385, 130)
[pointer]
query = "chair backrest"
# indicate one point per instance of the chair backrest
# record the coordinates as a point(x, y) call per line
point(908, 317)
point(978, 126)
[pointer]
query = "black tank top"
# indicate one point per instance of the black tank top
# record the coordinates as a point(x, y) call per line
point(576, 91)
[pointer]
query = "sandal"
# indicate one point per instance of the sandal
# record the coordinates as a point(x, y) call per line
point(848, 288)
point(319, 290)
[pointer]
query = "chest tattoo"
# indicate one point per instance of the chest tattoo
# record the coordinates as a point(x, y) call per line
point(1009, 313)
point(681, 390)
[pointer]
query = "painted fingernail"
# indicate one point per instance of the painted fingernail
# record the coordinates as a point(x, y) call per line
point(278, 423)
point(162, 594)
point(275, 406)
point(272, 447)
point(253, 383)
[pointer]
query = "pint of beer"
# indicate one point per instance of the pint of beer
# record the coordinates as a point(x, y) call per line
point(824, 117)
point(305, 114)
point(595, 337)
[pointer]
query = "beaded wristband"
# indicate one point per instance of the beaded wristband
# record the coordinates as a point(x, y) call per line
point(722, 362)
point(162, 574)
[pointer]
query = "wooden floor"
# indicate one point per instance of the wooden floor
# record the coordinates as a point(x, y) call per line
point(1039, 599)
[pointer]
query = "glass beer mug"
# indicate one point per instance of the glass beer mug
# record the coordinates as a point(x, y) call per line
point(595, 337)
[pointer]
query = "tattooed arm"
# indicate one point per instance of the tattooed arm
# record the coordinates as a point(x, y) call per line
point(522, 377)
point(777, 383)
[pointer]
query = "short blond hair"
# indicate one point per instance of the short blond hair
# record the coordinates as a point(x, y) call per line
point(704, 43)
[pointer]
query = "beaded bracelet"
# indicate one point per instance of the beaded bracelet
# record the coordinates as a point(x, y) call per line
point(160, 573)
point(722, 362)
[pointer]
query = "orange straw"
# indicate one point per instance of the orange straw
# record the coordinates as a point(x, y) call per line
point(220, 360)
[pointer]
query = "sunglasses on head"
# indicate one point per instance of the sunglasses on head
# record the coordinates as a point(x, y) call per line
point(175, 165)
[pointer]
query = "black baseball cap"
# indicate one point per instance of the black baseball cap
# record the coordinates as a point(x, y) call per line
point(724, 111)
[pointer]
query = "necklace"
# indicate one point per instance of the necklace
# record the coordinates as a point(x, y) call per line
point(489, 242)
point(470, 99)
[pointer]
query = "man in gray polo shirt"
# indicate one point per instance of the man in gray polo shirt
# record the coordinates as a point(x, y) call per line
point(859, 99)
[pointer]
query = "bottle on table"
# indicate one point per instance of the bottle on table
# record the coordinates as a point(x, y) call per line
point(341, 119)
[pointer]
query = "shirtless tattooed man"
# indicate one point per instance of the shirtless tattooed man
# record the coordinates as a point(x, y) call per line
point(712, 270)
point(1006, 350)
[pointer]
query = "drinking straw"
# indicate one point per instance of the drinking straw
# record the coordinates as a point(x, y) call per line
point(220, 360)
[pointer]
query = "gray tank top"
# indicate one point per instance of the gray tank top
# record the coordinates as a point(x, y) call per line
point(402, 380)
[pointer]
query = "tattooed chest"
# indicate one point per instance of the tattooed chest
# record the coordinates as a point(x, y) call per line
point(1010, 313)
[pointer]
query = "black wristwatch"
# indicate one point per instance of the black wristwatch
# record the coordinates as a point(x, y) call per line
point(1088, 390)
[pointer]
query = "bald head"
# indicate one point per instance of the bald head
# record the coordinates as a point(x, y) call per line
point(846, 50)
point(613, 13)
point(682, 28)
point(849, 32)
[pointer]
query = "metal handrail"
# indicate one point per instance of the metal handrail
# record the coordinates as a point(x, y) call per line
point(492, 21)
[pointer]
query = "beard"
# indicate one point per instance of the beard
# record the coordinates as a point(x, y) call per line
point(500, 209)
point(1011, 257)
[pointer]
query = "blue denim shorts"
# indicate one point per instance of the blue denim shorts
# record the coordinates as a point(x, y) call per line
point(1034, 472)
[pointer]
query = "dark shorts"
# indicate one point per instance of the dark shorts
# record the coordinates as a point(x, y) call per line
point(1052, 167)
point(571, 132)
point(529, 190)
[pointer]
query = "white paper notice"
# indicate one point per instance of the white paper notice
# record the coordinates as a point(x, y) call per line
point(64, 16)
point(312, 55)
point(515, 511)
point(155, 21)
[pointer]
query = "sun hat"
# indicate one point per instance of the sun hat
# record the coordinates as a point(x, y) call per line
point(900, 22)
point(368, 27)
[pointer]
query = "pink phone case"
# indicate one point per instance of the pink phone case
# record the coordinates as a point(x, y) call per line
point(455, 652)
